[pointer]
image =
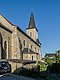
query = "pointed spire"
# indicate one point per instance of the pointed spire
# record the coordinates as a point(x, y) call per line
point(32, 22)
point(31, 13)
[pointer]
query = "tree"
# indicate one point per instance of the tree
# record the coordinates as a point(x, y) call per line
point(58, 56)
point(48, 60)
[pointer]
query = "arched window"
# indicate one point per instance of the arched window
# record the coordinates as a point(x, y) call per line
point(5, 46)
point(32, 57)
point(20, 47)
point(35, 48)
point(20, 44)
point(1, 48)
point(30, 34)
point(31, 46)
point(5, 50)
point(24, 43)
point(38, 50)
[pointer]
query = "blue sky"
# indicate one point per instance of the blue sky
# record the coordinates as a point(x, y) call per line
point(47, 19)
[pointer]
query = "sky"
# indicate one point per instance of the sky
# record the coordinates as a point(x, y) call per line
point(47, 19)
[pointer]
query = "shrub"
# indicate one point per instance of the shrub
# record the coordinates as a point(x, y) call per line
point(54, 68)
point(34, 72)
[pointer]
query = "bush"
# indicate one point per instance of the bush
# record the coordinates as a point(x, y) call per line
point(34, 72)
point(43, 66)
point(54, 68)
point(53, 77)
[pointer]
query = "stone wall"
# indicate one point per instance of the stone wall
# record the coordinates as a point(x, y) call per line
point(15, 65)
point(6, 23)
point(29, 43)
point(6, 36)
point(14, 38)
point(29, 56)
point(34, 33)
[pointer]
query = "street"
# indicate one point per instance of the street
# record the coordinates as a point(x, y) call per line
point(14, 77)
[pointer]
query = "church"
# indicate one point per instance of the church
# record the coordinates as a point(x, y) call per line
point(15, 44)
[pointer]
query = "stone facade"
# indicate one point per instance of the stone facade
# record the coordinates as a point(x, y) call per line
point(16, 44)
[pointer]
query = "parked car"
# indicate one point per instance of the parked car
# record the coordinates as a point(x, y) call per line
point(5, 67)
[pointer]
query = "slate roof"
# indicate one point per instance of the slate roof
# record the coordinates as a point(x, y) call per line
point(21, 61)
point(50, 55)
point(31, 23)
point(38, 41)
point(28, 51)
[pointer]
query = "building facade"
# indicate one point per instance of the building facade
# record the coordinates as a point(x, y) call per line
point(16, 44)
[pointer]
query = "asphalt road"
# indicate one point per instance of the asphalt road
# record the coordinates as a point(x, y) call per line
point(14, 77)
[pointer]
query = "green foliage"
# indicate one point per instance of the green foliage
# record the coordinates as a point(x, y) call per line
point(50, 60)
point(58, 57)
point(43, 66)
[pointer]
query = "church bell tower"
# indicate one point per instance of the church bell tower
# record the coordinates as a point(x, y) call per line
point(32, 30)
